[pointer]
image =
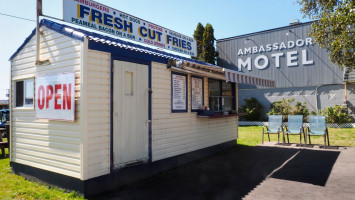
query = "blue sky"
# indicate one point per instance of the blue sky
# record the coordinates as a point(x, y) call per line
point(228, 18)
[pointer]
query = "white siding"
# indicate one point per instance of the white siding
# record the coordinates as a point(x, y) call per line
point(40, 143)
point(178, 133)
point(98, 113)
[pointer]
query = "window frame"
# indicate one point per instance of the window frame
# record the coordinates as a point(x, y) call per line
point(220, 96)
point(24, 105)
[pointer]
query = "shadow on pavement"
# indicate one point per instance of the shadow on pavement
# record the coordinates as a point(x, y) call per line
point(309, 166)
point(232, 174)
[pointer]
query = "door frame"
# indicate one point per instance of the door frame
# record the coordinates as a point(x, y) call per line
point(137, 61)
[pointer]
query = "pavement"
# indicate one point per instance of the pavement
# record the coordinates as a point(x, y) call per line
point(268, 171)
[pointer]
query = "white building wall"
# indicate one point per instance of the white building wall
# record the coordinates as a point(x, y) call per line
point(40, 143)
point(98, 113)
point(177, 133)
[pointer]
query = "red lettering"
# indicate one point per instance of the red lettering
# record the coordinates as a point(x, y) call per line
point(57, 96)
point(67, 96)
point(49, 96)
point(41, 94)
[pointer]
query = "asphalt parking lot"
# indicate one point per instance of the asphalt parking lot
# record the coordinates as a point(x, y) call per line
point(268, 171)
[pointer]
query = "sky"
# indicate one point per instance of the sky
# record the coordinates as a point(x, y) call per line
point(228, 18)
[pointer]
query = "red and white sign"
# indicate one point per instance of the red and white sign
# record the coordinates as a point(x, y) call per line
point(55, 97)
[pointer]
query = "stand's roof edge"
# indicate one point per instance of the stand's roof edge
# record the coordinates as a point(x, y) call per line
point(79, 34)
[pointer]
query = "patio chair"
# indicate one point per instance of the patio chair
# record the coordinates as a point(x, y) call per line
point(317, 128)
point(274, 127)
point(294, 127)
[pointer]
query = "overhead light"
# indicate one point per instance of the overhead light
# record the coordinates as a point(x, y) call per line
point(288, 32)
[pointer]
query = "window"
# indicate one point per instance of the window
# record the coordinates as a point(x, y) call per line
point(221, 95)
point(24, 93)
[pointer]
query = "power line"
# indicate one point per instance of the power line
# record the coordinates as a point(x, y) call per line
point(17, 17)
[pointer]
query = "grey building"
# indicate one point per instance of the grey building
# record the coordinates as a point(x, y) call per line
point(300, 68)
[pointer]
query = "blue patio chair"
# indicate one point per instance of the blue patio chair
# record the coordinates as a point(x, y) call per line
point(294, 127)
point(274, 127)
point(317, 128)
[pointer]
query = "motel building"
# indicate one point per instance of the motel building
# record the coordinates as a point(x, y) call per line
point(289, 56)
point(91, 112)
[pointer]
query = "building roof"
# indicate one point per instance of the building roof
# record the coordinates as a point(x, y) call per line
point(265, 31)
point(79, 34)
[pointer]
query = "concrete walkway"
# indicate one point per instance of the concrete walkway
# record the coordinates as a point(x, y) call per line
point(266, 171)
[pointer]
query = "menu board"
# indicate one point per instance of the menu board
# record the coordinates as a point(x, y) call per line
point(179, 89)
point(196, 93)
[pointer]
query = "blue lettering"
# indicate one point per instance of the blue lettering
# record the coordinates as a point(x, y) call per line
point(108, 20)
point(142, 31)
point(96, 16)
point(83, 10)
point(118, 23)
point(189, 46)
point(128, 26)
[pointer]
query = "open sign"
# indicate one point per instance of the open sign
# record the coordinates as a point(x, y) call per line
point(55, 97)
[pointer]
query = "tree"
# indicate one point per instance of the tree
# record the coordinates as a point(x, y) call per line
point(334, 28)
point(252, 108)
point(209, 53)
point(285, 108)
point(198, 36)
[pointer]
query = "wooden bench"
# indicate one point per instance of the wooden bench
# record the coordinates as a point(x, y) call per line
point(4, 144)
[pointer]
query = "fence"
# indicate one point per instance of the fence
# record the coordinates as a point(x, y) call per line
point(250, 123)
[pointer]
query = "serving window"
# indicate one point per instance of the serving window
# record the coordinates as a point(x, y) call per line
point(221, 95)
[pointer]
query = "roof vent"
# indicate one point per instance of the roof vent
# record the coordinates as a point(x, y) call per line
point(294, 22)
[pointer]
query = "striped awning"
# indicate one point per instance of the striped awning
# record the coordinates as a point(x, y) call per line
point(237, 77)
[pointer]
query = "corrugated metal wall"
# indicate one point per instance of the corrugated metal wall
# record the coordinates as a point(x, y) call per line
point(328, 95)
point(321, 72)
point(177, 133)
point(49, 145)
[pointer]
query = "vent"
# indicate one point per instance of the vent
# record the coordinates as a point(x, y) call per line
point(294, 22)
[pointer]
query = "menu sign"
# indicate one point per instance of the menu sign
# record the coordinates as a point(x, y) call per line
point(179, 97)
point(196, 93)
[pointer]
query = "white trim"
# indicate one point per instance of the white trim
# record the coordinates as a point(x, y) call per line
point(83, 111)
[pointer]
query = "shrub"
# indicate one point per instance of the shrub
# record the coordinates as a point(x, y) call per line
point(337, 114)
point(252, 108)
point(285, 108)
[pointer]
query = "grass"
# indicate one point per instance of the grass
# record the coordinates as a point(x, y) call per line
point(16, 187)
point(251, 136)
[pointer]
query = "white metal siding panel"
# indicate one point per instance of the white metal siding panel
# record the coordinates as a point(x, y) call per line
point(178, 133)
point(48, 145)
point(98, 113)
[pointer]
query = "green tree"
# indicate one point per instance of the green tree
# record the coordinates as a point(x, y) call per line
point(252, 108)
point(198, 36)
point(209, 53)
point(285, 108)
point(337, 114)
point(334, 28)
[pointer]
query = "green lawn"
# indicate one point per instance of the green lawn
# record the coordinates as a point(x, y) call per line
point(251, 136)
point(16, 187)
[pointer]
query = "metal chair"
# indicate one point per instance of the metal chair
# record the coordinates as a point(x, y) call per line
point(294, 127)
point(317, 127)
point(274, 127)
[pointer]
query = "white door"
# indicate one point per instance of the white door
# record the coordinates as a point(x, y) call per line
point(130, 113)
